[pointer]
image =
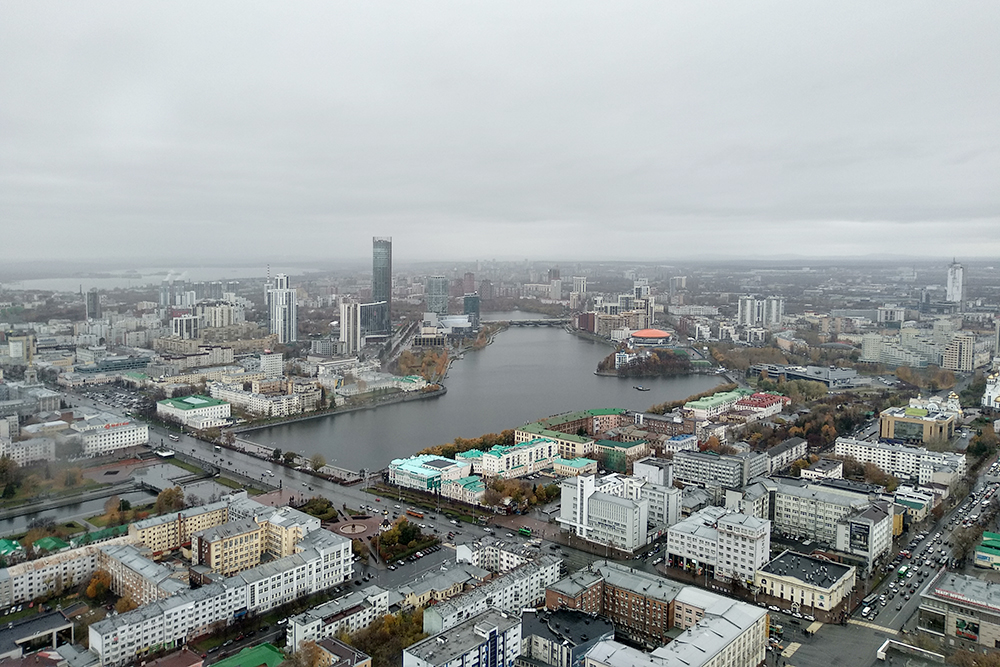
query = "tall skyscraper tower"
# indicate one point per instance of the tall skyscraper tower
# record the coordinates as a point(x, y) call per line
point(956, 283)
point(382, 281)
point(436, 294)
point(283, 310)
point(93, 304)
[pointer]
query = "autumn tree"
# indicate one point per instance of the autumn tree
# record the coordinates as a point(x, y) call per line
point(100, 584)
point(170, 499)
point(317, 461)
point(125, 604)
point(309, 654)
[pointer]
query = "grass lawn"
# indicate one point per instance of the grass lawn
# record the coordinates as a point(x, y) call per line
point(190, 467)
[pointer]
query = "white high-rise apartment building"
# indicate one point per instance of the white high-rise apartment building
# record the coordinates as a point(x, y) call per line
point(283, 309)
point(956, 283)
point(753, 311)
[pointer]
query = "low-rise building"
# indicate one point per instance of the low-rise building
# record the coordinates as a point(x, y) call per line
point(808, 583)
point(921, 421)
point(559, 638)
point(961, 611)
point(496, 554)
point(24, 452)
point(426, 472)
point(619, 456)
point(521, 587)
point(916, 463)
point(229, 548)
point(106, 433)
point(573, 467)
point(323, 562)
point(195, 411)
point(608, 510)
point(726, 470)
point(729, 545)
point(785, 453)
point(348, 613)
point(490, 638)
point(867, 534)
point(519, 460)
point(824, 469)
point(136, 577)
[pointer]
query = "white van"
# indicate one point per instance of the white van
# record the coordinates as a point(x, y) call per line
point(866, 611)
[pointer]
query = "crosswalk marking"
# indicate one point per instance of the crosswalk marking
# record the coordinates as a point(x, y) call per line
point(874, 626)
point(790, 649)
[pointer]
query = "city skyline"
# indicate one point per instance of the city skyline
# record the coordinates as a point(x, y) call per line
point(138, 134)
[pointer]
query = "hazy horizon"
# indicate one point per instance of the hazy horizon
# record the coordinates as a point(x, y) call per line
point(582, 131)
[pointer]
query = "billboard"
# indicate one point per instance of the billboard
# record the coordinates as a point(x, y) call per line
point(967, 629)
point(859, 536)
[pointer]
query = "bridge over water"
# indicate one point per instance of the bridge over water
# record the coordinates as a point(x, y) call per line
point(547, 322)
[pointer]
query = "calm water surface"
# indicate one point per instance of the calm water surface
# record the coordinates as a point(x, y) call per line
point(527, 373)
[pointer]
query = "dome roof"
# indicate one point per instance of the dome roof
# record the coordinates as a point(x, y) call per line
point(651, 333)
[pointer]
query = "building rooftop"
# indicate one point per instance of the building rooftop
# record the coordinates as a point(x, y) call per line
point(965, 590)
point(458, 640)
point(191, 402)
point(341, 654)
point(228, 530)
point(807, 569)
point(638, 581)
point(784, 446)
point(570, 625)
point(254, 656)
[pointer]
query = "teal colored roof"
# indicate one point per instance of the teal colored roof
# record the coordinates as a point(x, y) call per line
point(8, 547)
point(50, 544)
point(910, 503)
point(470, 454)
point(578, 462)
point(191, 402)
point(424, 465)
point(472, 483)
point(716, 399)
point(254, 656)
point(994, 551)
point(500, 450)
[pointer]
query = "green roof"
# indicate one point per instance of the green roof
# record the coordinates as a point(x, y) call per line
point(578, 462)
point(915, 412)
point(50, 544)
point(191, 402)
point(470, 454)
point(716, 399)
point(253, 656)
point(988, 550)
point(8, 547)
point(101, 535)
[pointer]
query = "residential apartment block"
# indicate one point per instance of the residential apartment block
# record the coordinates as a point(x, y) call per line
point(785, 453)
point(135, 576)
point(732, 471)
point(915, 463)
point(324, 561)
point(521, 587)
point(348, 613)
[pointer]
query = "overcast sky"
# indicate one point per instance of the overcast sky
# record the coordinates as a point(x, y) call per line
point(508, 130)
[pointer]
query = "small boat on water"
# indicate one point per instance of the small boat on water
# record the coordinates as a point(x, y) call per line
point(639, 387)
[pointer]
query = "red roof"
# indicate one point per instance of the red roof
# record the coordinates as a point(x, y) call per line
point(651, 333)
